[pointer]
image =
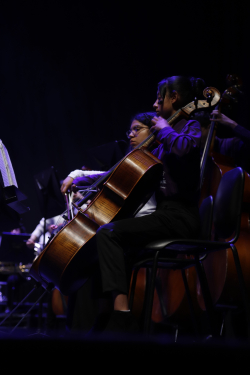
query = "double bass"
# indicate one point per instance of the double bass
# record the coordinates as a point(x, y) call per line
point(219, 266)
point(70, 258)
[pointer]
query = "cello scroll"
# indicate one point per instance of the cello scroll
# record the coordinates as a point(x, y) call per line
point(212, 96)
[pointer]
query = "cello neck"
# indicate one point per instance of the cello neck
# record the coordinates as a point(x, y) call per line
point(187, 110)
point(147, 142)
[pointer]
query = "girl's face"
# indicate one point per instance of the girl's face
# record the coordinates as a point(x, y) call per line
point(164, 107)
point(138, 133)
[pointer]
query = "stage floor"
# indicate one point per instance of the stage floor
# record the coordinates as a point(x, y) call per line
point(129, 352)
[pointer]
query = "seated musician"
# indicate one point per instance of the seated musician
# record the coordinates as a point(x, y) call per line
point(176, 213)
point(86, 302)
point(38, 236)
point(236, 147)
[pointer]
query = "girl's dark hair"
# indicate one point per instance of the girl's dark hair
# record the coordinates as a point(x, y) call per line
point(145, 118)
point(188, 88)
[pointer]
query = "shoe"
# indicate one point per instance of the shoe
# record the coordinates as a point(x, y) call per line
point(122, 321)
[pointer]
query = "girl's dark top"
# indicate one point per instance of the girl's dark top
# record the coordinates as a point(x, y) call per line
point(180, 152)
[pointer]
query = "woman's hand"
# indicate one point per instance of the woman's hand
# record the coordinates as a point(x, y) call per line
point(159, 123)
point(30, 243)
point(223, 119)
point(66, 184)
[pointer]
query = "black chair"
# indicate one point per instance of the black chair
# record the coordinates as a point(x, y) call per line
point(226, 221)
point(146, 261)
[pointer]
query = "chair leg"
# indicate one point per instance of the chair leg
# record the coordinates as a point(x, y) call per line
point(190, 303)
point(207, 296)
point(158, 288)
point(150, 295)
point(132, 289)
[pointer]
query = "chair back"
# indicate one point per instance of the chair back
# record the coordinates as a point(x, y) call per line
point(206, 216)
point(227, 204)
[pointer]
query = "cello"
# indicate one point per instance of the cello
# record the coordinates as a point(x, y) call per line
point(70, 257)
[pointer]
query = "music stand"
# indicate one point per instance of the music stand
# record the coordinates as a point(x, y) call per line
point(11, 205)
point(50, 198)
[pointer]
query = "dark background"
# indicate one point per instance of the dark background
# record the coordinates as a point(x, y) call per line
point(74, 73)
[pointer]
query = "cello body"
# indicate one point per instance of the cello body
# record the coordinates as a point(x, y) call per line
point(71, 257)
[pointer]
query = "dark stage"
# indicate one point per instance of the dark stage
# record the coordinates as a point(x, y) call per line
point(129, 352)
point(72, 76)
point(48, 341)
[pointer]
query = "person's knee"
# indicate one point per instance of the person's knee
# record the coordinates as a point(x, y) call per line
point(104, 232)
point(109, 234)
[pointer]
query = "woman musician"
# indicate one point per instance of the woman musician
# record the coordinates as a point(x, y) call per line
point(176, 198)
